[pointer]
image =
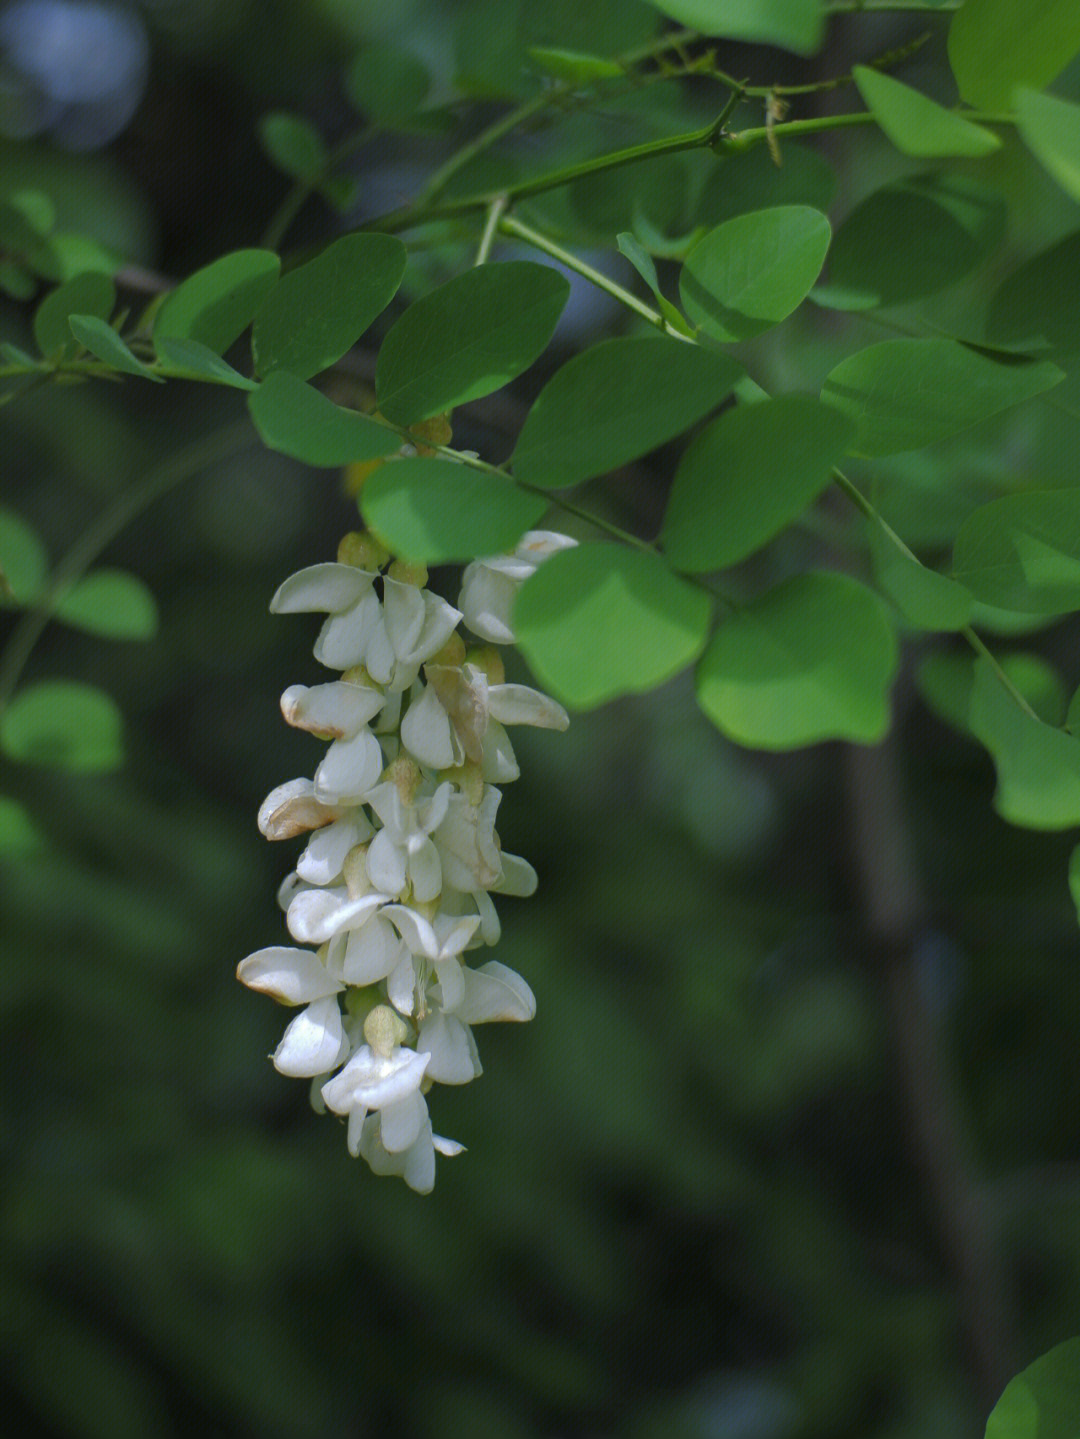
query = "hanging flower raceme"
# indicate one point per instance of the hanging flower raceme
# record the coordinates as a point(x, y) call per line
point(393, 888)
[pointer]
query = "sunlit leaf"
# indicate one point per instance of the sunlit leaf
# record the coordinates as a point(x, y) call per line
point(467, 338)
point(217, 303)
point(810, 660)
point(904, 394)
point(319, 310)
point(434, 511)
point(293, 417)
point(598, 620)
point(918, 125)
point(615, 402)
point(64, 723)
point(752, 271)
point(796, 25)
point(1051, 130)
point(111, 603)
point(748, 475)
point(996, 45)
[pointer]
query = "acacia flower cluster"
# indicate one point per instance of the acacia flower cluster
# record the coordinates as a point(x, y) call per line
point(393, 889)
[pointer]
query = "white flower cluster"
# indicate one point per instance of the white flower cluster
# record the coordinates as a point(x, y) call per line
point(394, 886)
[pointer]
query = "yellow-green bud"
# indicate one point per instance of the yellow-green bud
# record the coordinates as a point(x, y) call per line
point(488, 659)
point(362, 549)
point(407, 574)
point(405, 774)
point(384, 1030)
point(452, 653)
point(358, 675)
point(354, 872)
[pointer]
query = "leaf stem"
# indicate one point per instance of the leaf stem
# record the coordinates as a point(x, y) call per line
point(302, 190)
point(491, 224)
point(180, 466)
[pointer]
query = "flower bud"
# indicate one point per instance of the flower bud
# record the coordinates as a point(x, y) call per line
point(489, 661)
point(452, 653)
point(407, 574)
point(362, 549)
point(384, 1030)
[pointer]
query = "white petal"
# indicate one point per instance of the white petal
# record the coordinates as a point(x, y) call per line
point(436, 808)
point(449, 1147)
point(453, 1053)
point(291, 976)
point(375, 1080)
point(386, 802)
point(417, 932)
point(386, 864)
point(293, 809)
point(455, 932)
point(451, 981)
point(518, 704)
point(440, 622)
point(316, 915)
point(518, 877)
point(498, 763)
point(466, 843)
point(403, 610)
point(344, 638)
point(490, 928)
point(349, 768)
point(379, 655)
point(486, 600)
point(372, 951)
point(494, 992)
point(289, 888)
point(313, 1041)
point(425, 868)
point(337, 708)
point(426, 732)
point(355, 1128)
point(321, 861)
point(401, 984)
point(402, 1121)
point(419, 1170)
point(329, 587)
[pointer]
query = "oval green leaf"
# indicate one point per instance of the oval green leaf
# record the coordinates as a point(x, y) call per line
point(810, 660)
point(748, 475)
point(615, 402)
point(216, 304)
point(873, 261)
point(1043, 1400)
point(294, 418)
point(926, 599)
point(19, 835)
point(388, 86)
point(319, 310)
point(64, 723)
point(996, 45)
point(189, 360)
point(741, 183)
point(88, 294)
point(797, 25)
point(111, 603)
point(1038, 767)
point(103, 342)
point(433, 511)
point(752, 271)
point(294, 145)
point(1051, 131)
point(1038, 305)
point(597, 621)
point(468, 338)
point(917, 125)
point(904, 394)
point(24, 562)
point(1022, 552)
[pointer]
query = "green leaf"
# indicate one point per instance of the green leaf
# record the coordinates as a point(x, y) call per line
point(216, 304)
point(71, 255)
point(643, 263)
point(904, 394)
point(597, 621)
point(1074, 890)
point(925, 598)
point(812, 659)
point(468, 338)
point(189, 360)
point(1043, 1400)
point(296, 419)
point(16, 281)
point(752, 271)
point(318, 311)
point(996, 45)
point(1038, 768)
point(615, 402)
point(917, 125)
point(797, 25)
point(24, 563)
point(1022, 552)
point(748, 475)
point(570, 65)
point(11, 355)
point(388, 86)
point(745, 182)
point(88, 294)
point(103, 341)
point(1039, 304)
point(947, 683)
point(1051, 130)
point(433, 511)
point(294, 145)
point(873, 262)
point(110, 603)
point(19, 835)
point(64, 723)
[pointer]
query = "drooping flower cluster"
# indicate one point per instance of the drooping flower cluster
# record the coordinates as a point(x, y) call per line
point(393, 889)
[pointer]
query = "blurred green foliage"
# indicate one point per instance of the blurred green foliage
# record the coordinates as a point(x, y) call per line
point(691, 1205)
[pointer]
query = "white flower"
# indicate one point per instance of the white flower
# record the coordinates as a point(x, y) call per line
point(439, 941)
point(412, 626)
point(324, 856)
point(465, 840)
point(416, 1165)
point(382, 1075)
point(402, 851)
point(489, 586)
point(293, 809)
point(492, 992)
point(315, 1041)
